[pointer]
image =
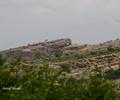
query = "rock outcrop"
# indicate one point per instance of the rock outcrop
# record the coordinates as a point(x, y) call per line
point(39, 49)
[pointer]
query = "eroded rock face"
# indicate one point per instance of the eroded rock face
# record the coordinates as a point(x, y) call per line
point(59, 43)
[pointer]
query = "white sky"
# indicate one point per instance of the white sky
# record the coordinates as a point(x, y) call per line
point(85, 21)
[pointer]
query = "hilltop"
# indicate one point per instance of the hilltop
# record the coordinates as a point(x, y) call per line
point(48, 48)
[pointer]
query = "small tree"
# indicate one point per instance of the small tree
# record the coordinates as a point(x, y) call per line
point(58, 53)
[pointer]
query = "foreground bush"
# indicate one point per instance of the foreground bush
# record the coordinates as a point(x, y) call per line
point(43, 83)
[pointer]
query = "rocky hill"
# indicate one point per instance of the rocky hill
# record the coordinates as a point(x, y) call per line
point(48, 48)
point(79, 58)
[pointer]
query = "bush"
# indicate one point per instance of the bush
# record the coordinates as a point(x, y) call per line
point(58, 53)
point(45, 83)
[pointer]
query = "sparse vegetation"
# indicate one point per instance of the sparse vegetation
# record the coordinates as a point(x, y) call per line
point(24, 82)
point(89, 54)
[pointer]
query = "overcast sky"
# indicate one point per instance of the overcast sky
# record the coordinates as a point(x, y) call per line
point(84, 21)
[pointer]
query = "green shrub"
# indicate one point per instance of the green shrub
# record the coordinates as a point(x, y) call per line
point(44, 83)
point(58, 53)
